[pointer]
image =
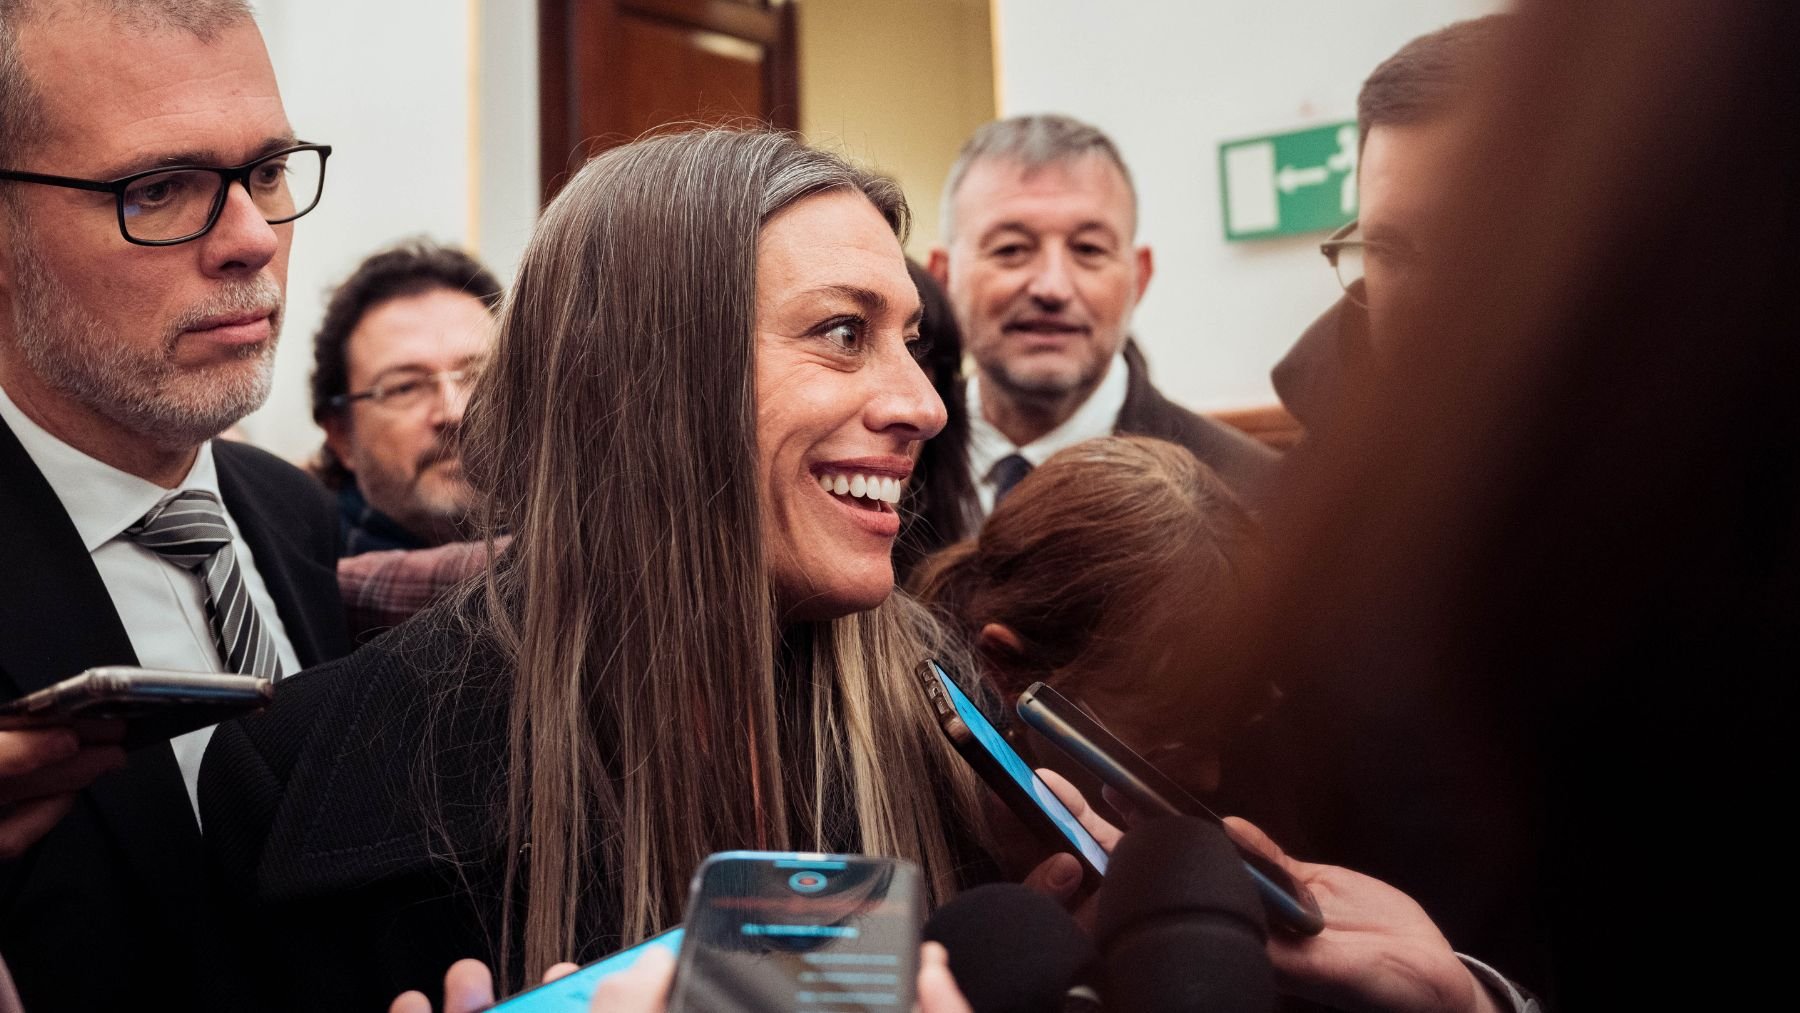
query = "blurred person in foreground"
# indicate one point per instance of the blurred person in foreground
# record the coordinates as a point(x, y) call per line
point(1534, 601)
point(1041, 262)
point(1409, 117)
point(696, 424)
point(393, 362)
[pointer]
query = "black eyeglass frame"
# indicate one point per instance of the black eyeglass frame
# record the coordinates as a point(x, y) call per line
point(227, 176)
point(1336, 244)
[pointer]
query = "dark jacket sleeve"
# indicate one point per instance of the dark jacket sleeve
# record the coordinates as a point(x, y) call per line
point(1242, 463)
point(321, 833)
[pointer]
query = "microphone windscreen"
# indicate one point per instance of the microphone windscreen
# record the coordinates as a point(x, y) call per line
point(1012, 949)
point(1180, 923)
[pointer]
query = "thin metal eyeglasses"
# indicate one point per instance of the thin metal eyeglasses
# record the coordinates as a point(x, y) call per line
point(1348, 258)
point(409, 390)
point(176, 204)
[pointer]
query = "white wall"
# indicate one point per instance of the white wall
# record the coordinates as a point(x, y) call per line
point(431, 106)
point(1169, 80)
point(392, 85)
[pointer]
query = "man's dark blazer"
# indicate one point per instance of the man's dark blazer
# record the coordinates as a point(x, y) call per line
point(110, 909)
point(1244, 464)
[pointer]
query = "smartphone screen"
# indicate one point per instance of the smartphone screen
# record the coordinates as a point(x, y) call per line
point(574, 991)
point(1024, 781)
point(1087, 742)
point(773, 932)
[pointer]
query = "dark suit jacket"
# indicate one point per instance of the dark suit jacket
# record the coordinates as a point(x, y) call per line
point(1244, 464)
point(110, 909)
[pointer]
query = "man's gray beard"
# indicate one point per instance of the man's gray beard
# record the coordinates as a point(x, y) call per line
point(144, 392)
point(1035, 388)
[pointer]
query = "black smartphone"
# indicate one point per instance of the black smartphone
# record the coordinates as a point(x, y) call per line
point(573, 992)
point(1007, 773)
point(771, 932)
point(1289, 905)
point(155, 706)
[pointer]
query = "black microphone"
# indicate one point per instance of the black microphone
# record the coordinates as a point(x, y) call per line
point(1012, 949)
point(1180, 926)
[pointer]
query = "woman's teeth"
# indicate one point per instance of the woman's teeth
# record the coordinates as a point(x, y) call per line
point(872, 487)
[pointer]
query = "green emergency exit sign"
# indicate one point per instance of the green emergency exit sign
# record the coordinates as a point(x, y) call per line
point(1287, 184)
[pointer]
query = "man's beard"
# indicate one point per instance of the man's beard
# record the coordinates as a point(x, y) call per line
point(1033, 382)
point(143, 391)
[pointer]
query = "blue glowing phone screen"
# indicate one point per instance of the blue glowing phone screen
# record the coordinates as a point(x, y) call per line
point(573, 992)
point(1015, 767)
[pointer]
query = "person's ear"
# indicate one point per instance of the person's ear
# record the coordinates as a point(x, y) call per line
point(1146, 266)
point(937, 264)
point(1001, 650)
point(337, 436)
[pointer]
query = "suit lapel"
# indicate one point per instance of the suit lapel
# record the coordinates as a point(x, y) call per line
point(56, 614)
point(56, 620)
point(305, 592)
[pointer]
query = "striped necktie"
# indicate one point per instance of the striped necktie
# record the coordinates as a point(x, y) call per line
point(189, 531)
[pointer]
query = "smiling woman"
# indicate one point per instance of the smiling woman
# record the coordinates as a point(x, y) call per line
point(691, 644)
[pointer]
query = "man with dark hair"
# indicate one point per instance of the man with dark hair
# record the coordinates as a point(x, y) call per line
point(148, 181)
point(393, 361)
point(1040, 221)
point(1408, 133)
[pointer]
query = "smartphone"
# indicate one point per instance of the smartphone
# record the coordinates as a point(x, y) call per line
point(572, 992)
point(772, 932)
point(1289, 905)
point(1007, 773)
point(154, 705)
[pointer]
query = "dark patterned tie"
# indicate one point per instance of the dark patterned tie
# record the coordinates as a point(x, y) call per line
point(1006, 473)
point(189, 530)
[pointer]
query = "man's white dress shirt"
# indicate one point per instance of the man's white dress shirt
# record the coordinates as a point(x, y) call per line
point(162, 607)
point(1097, 416)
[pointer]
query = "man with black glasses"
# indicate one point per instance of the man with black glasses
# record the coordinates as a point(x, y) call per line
point(150, 179)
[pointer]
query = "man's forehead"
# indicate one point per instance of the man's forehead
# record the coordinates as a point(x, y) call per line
point(1405, 169)
point(433, 329)
point(1062, 194)
point(175, 93)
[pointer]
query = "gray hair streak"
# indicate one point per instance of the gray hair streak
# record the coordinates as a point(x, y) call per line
point(1032, 142)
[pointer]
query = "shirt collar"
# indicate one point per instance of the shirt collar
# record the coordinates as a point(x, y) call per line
point(101, 500)
point(1097, 416)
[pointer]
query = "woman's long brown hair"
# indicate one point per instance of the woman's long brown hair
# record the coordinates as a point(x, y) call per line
point(659, 711)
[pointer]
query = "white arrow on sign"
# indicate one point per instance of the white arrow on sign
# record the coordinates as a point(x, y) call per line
point(1290, 179)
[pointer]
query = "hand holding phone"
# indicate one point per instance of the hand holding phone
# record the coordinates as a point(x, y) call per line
point(1086, 741)
point(769, 932)
point(40, 772)
point(574, 992)
point(154, 706)
point(1007, 773)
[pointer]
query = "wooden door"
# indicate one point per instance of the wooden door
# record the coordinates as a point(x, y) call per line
point(613, 70)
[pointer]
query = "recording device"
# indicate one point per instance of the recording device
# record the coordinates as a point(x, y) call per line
point(1014, 950)
point(1007, 773)
point(154, 705)
point(572, 992)
point(1180, 926)
point(1290, 905)
point(773, 932)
